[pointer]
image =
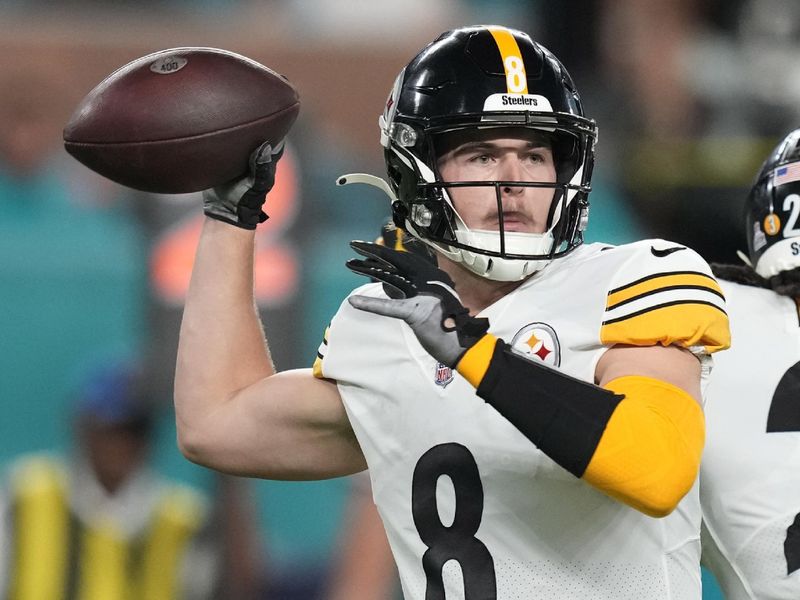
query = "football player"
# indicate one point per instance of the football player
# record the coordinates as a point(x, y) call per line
point(750, 474)
point(529, 407)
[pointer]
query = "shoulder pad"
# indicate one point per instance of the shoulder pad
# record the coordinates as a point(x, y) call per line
point(664, 293)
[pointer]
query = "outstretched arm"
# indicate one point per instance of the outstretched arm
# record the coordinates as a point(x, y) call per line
point(234, 413)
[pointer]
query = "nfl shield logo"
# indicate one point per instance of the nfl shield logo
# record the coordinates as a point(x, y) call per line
point(444, 374)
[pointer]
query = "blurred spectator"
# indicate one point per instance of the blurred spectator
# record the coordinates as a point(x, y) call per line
point(698, 93)
point(235, 529)
point(72, 276)
point(689, 97)
point(99, 523)
point(363, 567)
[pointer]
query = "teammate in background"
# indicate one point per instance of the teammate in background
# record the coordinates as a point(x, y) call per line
point(557, 388)
point(102, 524)
point(750, 474)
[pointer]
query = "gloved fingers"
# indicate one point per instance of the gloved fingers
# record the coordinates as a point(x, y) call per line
point(414, 265)
point(277, 150)
point(444, 291)
point(404, 262)
point(240, 200)
point(262, 171)
point(372, 252)
point(228, 194)
point(266, 153)
point(380, 271)
point(397, 309)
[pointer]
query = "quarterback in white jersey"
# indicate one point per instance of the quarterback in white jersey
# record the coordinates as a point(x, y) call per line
point(417, 420)
point(529, 408)
point(750, 474)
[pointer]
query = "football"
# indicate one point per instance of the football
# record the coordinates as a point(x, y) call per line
point(180, 120)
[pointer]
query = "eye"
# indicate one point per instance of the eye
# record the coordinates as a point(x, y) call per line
point(537, 156)
point(481, 159)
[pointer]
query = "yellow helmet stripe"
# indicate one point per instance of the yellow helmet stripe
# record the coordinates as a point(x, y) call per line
point(516, 78)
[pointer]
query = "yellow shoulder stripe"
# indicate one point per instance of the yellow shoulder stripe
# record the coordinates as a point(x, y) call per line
point(662, 282)
point(689, 323)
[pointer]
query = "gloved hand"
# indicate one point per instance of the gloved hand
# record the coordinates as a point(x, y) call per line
point(427, 300)
point(394, 237)
point(239, 202)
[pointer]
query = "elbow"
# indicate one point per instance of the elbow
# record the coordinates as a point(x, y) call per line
point(665, 491)
point(649, 454)
point(195, 430)
point(658, 506)
point(655, 485)
point(188, 445)
point(662, 506)
point(192, 444)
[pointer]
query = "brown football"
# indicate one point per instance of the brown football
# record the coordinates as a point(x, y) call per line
point(180, 120)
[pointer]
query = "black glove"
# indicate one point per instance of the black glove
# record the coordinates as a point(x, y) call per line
point(239, 202)
point(394, 237)
point(427, 302)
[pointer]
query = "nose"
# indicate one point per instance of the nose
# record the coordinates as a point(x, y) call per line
point(512, 170)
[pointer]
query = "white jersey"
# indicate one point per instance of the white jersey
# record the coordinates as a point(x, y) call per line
point(506, 521)
point(750, 474)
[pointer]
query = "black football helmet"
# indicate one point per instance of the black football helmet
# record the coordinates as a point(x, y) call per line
point(475, 78)
point(772, 211)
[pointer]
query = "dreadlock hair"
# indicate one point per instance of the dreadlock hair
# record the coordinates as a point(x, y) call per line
point(785, 283)
point(742, 274)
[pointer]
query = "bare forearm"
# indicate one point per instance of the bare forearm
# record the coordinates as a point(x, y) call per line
point(221, 348)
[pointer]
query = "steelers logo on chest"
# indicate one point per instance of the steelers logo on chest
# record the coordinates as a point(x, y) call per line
point(538, 342)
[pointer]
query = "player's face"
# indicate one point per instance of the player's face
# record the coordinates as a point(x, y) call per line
point(507, 154)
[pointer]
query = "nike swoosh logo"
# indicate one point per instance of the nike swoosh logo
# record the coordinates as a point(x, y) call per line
point(661, 253)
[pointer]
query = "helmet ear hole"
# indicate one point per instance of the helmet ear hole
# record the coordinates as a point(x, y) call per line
point(566, 156)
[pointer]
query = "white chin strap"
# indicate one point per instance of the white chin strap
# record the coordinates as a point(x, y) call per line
point(504, 269)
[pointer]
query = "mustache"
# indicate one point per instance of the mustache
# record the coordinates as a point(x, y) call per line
point(514, 216)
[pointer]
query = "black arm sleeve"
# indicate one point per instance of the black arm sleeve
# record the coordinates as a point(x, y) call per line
point(565, 417)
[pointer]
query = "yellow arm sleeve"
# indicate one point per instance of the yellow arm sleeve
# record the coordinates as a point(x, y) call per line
point(649, 454)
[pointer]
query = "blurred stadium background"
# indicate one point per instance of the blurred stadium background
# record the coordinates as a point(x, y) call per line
point(689, 96)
